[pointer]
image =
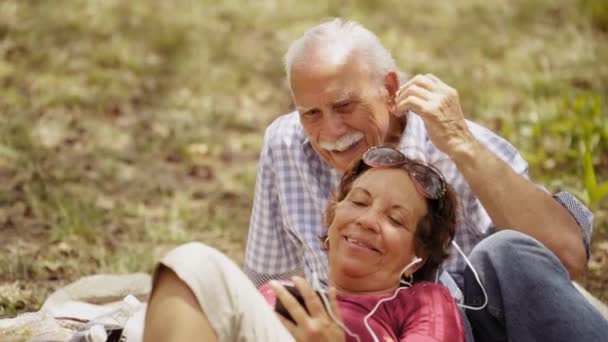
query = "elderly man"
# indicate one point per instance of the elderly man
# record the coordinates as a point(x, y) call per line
point(524, 243)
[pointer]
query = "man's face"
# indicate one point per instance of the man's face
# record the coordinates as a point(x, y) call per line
point(343, 111)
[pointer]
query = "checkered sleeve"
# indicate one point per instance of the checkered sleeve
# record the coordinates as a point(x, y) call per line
point(581, 214)
point(270, 253)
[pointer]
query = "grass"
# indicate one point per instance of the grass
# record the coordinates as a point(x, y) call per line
point(128, 127)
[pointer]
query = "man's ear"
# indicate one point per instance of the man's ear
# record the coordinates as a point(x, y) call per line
point(391, 83)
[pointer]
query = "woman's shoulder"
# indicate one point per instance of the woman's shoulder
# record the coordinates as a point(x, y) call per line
point(431, 311)
point(424, 292)
point(426, 286)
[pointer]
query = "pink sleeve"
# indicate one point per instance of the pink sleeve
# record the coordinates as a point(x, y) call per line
point(435, 318)
point(268, 294)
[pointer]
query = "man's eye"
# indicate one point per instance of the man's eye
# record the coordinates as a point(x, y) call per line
point(312, 112)
point(345, 107)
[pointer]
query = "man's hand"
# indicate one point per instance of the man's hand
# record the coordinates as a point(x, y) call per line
point(511, 200)
point(316, 325)
point(439, 107)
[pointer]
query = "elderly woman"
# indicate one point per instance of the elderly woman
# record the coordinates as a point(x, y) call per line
point(390, 223)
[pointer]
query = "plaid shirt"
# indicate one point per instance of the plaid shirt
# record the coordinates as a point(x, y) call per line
point(293, 187)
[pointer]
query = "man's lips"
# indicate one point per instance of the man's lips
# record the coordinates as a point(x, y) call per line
point(347, 149)
point(361, 242)
point(351, 153)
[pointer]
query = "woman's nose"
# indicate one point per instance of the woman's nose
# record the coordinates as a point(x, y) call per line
point(370, 219)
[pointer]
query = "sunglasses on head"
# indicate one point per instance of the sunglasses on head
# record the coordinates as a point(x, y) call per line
point(428, 180)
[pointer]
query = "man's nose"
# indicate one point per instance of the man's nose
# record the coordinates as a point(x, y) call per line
point(334, 125)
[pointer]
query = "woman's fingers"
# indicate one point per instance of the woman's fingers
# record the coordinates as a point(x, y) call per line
point(317, 326)
point(292, 328)
point(292, 306)
point(311, 299)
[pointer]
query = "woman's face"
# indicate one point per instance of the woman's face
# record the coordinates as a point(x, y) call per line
point(372, 236)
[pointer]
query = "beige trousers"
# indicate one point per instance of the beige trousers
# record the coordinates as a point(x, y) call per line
point(234, 307)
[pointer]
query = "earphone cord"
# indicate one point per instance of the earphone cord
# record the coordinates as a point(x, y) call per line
point(325, 300)
point(371, 313)
point(316, 286)
point(485, 295)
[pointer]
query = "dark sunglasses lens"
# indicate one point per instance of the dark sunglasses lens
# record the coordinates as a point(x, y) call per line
point(383, 156)
point(428, 179)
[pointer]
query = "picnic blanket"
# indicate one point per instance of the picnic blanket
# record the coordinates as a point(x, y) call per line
point(115, 302)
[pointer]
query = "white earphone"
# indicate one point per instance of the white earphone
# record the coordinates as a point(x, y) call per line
point(412, 263)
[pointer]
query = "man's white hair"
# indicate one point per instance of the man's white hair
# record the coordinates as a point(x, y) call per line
point(337, 39)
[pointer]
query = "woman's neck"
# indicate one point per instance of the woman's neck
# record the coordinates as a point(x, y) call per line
point(360, 287)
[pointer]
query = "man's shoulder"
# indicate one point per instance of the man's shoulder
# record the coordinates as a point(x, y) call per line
point(493, 141)
point(285, 130)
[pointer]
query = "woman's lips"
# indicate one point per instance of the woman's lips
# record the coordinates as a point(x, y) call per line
point(361, 243)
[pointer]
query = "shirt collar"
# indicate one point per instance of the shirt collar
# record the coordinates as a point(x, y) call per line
point(414, 139)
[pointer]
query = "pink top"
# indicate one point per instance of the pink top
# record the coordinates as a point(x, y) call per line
point(421, 313)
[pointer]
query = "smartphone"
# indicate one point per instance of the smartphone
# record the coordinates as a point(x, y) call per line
point(280, 308)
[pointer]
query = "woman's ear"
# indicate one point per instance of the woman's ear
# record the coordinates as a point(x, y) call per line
point(418, 265)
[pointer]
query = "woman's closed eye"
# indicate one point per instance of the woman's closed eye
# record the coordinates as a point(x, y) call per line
point(397, 221)
point(359, 197)
point(358, 202)
point(398, 217)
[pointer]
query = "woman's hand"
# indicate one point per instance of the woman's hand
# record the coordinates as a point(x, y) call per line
point(316, 325)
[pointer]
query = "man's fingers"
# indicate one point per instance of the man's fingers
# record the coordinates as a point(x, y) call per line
point(442, 86)
point(435, 79)
point(313, 302)
point(414, 104)
point(411, 81)
point(421, 81)
point(418, 91)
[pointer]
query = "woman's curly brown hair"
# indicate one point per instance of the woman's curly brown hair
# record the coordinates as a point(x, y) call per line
point(434, 232)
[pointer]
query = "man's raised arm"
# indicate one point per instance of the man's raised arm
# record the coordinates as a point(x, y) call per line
point(510, 199)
